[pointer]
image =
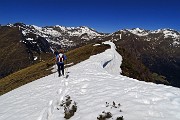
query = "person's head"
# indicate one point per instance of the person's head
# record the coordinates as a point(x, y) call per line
point(61, 51)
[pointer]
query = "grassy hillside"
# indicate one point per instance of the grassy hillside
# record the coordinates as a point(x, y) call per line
point(43, 68)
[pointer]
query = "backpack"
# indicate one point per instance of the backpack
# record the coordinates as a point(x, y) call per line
point(60, 58)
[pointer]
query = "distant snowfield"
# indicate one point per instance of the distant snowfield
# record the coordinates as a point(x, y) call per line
point(91, 84)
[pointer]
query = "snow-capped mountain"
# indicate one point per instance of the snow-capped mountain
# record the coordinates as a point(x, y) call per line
point(138, 31)
point(96, 89)
point(59, 35)
point(73, 36)
point(168, 33)
point(165, 33)
point(77, 31)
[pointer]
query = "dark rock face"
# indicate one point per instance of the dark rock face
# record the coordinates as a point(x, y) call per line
point(13, 55)
point(43, 44)
point(17, 52)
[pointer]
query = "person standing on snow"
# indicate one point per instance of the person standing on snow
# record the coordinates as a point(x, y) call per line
point(60, 58)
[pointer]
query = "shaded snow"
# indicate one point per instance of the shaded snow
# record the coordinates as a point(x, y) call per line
point(91, 84)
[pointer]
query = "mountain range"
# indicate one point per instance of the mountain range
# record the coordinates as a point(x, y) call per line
point(151, 52)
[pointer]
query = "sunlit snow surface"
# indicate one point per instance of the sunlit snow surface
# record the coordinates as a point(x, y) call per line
point(91, 84)
point(138, 31)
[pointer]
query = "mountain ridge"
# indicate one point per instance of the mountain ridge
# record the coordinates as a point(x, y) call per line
point(155, 49)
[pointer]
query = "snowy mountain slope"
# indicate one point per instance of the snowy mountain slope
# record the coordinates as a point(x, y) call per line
point(165, 33)
point(91, 84)
point(168, 33)
point(73, 36)
point(138, 31)
point(58, 35)
point(58, 31)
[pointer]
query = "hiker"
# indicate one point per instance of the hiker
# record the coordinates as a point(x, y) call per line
point(60, 58)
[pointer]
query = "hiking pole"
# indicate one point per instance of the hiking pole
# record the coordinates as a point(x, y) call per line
point(66, 68)
point(55, 69)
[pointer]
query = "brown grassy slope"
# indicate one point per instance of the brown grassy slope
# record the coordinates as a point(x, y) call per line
point(13, 55)
point(42, 69)
point(23, 76)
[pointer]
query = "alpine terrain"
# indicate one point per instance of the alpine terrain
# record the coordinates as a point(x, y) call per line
point(94, 90)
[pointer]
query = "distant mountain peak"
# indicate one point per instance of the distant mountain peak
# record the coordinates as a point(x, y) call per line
point(139, 31)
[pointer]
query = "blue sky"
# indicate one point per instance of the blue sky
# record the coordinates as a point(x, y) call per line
point(102, 15)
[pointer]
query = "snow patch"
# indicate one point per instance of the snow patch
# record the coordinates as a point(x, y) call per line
point(35, 57)
point(29, 39)
point(96, 44)
point(24, 33)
